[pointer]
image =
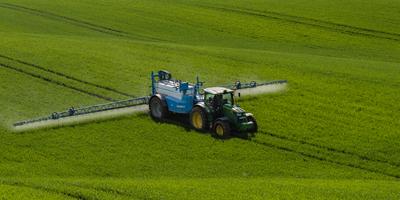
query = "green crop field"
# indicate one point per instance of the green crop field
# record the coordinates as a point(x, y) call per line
point(333, 134)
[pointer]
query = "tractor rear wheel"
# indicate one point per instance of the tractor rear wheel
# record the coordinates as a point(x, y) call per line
point(222, 129)
point(158, 108)
point(255, 126)
point(198, 119)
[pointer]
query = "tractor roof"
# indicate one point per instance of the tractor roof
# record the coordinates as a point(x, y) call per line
point(217, 90)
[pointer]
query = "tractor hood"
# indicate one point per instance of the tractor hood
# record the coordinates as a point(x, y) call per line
point(237, 109)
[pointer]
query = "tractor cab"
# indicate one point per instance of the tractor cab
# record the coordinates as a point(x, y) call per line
point(216, 98)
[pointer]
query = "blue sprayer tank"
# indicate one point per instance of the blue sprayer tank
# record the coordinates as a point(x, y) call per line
point(180, 96)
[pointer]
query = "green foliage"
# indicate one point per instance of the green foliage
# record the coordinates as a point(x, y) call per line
point(222, 188)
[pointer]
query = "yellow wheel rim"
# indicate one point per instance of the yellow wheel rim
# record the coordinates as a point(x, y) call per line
point(197, 120)
point(219, 130)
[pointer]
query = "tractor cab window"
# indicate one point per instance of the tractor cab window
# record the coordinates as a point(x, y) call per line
point(209, 99)
point(218, 100)
point(215, 101)
point(227, 98)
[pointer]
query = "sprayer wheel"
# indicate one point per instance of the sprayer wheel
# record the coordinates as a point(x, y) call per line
point(158, 108)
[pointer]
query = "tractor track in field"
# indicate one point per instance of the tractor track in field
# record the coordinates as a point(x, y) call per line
point(66, 76)
point(45, 189)
point(102, 189)
point(324, 159)
point(321, 158)
point(55, 82)
point(69, 194)
point(341, 28)
point(361, 157)
point(76, 22)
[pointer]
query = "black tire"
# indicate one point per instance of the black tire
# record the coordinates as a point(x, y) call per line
point(158, 108)
point(224, 126)
point(255, 127)
point(198, 119)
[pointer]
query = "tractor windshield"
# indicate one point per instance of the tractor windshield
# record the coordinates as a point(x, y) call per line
point(218, 100)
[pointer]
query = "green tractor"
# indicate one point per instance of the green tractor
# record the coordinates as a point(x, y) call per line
point(219, 112)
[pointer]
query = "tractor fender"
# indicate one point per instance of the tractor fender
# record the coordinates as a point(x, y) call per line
point(200, 104)
point(248, 114)
point(203, 106)
point(221, 119)
point(224, 119)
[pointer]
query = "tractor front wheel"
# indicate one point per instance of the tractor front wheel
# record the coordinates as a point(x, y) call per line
point(158, 108)
point(222, 129)
point(198, 119)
